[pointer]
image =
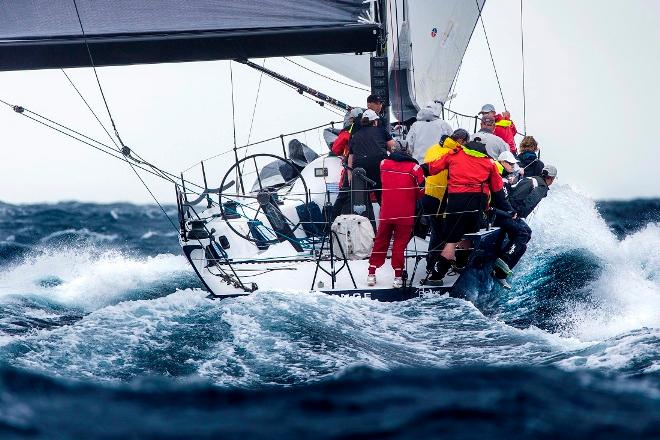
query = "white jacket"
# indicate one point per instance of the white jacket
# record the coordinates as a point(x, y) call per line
point(426, 132)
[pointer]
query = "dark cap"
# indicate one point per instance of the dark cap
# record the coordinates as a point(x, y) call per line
point(459, 134)
point(375, 98)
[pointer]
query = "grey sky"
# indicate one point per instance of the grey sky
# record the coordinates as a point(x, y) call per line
point(591, 86)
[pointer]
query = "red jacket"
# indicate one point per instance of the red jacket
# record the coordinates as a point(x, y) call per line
point(340, 148)
point(506, 129)
point(469, 171)
point(402, 181)
point(340, 144)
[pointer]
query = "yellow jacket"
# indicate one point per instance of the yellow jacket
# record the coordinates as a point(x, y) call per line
point(437, 185)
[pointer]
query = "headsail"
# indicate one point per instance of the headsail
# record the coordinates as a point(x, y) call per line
point(39, 34)
point(428, 39)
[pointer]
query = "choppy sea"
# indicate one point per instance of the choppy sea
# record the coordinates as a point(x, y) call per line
point(106, 332)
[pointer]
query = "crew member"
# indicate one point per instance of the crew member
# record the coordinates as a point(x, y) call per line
point(368, 147)
point(402, 180)
point(494, 145)
point(375, 103)
point(506, 129)
point(523, 198)
point(473, 177)
point(426, 131)
point(434, 201)
point(340, 148)
point(511, 171)
point(529, 157)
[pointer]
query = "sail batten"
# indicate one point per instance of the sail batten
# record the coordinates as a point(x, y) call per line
point(37, 34)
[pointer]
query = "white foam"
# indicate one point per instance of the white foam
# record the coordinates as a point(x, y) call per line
point(84, 232)
point(87, 278)
point(627, 294)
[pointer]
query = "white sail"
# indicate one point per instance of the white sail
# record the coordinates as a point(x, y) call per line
point(439, 35)
point(433, 35)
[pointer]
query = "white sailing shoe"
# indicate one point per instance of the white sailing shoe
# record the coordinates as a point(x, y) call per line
point(397, 283)
point(371, 280)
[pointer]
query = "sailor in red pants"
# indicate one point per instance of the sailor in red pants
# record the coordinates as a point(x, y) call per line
point(403, 184)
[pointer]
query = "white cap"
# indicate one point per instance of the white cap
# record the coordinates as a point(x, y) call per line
point(370, 114)
point(507, 156)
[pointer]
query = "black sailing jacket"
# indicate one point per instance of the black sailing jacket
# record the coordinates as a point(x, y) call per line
point(527, 194)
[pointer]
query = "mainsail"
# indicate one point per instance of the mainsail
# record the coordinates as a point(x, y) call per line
point(428, 39)
point(38, 34)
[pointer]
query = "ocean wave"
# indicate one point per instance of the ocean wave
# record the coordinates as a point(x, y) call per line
point(78, 233)
point(89, 278)
point(475, 402)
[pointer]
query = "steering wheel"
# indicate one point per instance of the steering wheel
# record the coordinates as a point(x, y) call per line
point(264, 192)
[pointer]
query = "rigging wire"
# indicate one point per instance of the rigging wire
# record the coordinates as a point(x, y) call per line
point(522, 54)
point(85, 139)
point(98, 81)
point(481, 18)
point(263, 141)
point(124, 150)
point(256, 101)
point(239, 178)
point(254, 111)
point(137, 157)
point(90, 108)
point(325, 76)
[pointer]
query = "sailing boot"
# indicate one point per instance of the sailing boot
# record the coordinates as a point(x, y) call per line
point(502, 266)
point(398, 279)
point(500, 276)
point(371, 277)
point(439, 271)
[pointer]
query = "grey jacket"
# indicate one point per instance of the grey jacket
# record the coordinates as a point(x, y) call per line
point(494, 144)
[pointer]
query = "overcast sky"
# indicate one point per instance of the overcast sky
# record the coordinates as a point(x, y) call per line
point(591, 83)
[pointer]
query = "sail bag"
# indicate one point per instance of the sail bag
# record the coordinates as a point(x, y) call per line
point(352, 236)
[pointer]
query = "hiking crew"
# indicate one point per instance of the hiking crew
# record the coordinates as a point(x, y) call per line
point(434, 200)
point(523, 198)
point(473, 177)
point(529, 157)
point(511, 171)
point(402, 179)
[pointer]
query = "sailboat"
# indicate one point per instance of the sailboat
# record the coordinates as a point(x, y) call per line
point(266, 226)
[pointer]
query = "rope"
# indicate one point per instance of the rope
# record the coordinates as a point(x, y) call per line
point(522, 54)
point(481, 18)
point(324, 76)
